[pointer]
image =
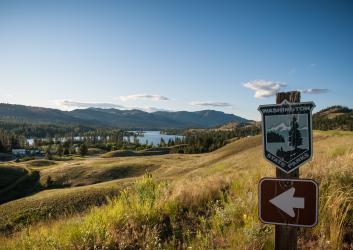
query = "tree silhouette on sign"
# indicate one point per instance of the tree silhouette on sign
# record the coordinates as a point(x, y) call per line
point(295, 137)
point(274, 137)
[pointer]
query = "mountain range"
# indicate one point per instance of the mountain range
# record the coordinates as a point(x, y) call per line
point(98, 117)
point(281, 127)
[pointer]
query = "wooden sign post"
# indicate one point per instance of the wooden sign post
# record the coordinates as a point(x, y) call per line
point(286, 236)
point(287, 201)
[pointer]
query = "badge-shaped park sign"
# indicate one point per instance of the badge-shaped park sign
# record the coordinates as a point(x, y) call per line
point(287, 134)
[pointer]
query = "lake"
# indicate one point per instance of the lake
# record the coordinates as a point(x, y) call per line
point(153, 137)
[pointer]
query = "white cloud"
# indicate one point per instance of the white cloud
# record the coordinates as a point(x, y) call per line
point(70, 105)
point(314, 91)
point(6, 97)
point(143, 96)
point(73, 104)
point(153, 109)
point(264, 88)
point(211, 104)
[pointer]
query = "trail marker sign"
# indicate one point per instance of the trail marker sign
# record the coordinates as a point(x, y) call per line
point(290, 202)
point(287, 134)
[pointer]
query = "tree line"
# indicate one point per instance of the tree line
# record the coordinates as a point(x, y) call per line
point(341, 118)
point(10, 140)
point(63, 139)
point(202, 141)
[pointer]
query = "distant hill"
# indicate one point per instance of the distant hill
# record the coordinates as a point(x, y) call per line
point(97, 117)
point(228, 126)
point(28, 114)
point(202, 119)
point(334, 117)
point(233, 125)
point(333, 111)
point(126, 118)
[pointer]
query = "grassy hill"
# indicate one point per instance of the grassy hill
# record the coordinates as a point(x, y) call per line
point(204, 201)
point(16, 182)
point(335, 117)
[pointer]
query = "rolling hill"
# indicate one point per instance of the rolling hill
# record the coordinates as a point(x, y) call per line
point(97, 117)
point(334, 117)
point(203, 201)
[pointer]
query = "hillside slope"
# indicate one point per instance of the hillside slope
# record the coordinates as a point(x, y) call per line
point(335, 117)
point(16, 182)
point(71, 182)
point(191, 199)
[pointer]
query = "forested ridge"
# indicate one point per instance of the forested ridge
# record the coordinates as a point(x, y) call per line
point(116, 118)
point(334, 118)
point(13, 134)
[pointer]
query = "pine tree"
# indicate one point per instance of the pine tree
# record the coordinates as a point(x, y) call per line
point(83, 150)
point(60, 149)
point(162, 142)
point(2, 148)
point(295, 137)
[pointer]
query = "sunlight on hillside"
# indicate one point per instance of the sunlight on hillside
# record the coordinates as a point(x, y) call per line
point(203, 201)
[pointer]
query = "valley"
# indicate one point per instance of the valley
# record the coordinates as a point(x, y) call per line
point(217, 189)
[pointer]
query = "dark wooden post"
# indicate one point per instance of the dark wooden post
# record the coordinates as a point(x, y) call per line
point(286, 236)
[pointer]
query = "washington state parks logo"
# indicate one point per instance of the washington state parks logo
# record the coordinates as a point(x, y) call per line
point(287, 134)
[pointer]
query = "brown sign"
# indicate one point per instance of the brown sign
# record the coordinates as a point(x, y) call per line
point(292, 202)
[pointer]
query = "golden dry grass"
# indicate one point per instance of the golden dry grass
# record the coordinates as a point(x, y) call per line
point(210, 201)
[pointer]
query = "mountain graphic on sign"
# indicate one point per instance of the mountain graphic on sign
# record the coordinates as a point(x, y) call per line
point(295, 141)
point(280, 127)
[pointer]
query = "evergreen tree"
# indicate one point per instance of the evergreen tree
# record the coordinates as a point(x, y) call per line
point(66, 146)
point(295, 137)
point(60, 149)
point(2, 148)
point(83, 149)
point(48, 155)
point(162, 142)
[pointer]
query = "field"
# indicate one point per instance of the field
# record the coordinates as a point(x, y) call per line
point(203, 201)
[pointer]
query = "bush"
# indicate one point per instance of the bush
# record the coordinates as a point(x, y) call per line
point(83, 149)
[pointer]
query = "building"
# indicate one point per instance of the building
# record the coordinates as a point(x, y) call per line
point(19, 152)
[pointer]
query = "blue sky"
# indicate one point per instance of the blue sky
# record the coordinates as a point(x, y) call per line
point(175, 55)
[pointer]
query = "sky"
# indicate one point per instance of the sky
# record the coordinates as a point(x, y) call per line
point(224, 55)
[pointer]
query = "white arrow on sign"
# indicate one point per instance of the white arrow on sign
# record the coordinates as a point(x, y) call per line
point(286, 202)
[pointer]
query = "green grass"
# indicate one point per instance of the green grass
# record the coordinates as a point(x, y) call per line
point(206, 201)
point(95, 151)
point(16, 182)
point(111, 175)
point(9, 174)
point(82, 174)
point(140, 217)
point(53, 204)
point(129, 153)
point(40, 163)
